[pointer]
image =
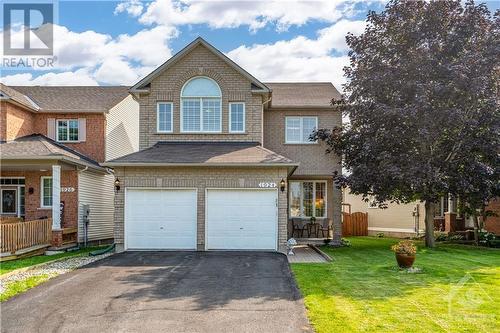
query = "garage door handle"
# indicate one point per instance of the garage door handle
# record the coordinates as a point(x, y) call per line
point(241, 228)
point(161, 228)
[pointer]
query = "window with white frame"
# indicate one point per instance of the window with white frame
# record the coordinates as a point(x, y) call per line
point(307, 199)
point(46, 192)
point(164, 117)
point(67, 130)
point(299, 129)
point(237, 117)
point(201, 108)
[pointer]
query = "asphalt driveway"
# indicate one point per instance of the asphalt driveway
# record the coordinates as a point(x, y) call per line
point(167, 292)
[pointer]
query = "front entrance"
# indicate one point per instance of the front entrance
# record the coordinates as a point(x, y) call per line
point(12, 197)
point(242, 219)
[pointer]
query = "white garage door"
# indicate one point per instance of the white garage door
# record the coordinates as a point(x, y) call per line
point(160, 219)
point(242, 219)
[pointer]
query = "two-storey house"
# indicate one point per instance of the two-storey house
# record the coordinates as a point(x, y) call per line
point(225, 160)
point(52, 141)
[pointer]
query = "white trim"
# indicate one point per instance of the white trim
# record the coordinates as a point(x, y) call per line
point(158, 117)
point(125, 245)
point(244, 117)
point(393, 229)
point(67, 120)
point(245, 189)
point(41, 191)
point(13, 188)
point(313, 198)
point(301, 141)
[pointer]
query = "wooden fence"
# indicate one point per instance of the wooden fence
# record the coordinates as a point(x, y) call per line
point(22, 235)
point(355, 224)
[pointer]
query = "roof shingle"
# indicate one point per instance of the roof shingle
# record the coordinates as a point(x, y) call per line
point(305, 94)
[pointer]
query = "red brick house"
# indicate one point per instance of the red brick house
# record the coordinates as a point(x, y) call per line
point(52, 141)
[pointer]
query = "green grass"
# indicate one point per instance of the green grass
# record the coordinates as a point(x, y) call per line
point(9, 266)
point(21, 286)
point(362, 290)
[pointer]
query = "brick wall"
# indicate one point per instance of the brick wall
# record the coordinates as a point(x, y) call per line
point(93, 146)
point(492, 223)
point(69, 178)
point(167, 87)
point(200, 178)
point(14, 121)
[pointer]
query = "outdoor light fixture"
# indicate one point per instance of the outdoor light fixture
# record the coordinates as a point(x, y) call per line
point(282, 185)
point(117, 184)
point(31, 190)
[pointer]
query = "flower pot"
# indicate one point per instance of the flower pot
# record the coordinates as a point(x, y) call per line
point(404, 260)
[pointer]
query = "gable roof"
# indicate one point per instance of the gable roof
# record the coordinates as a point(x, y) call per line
point(91, 99)
point(206, 153)
point(139, 86)
point(10, 94)
point(303, 94)
point(38, 146)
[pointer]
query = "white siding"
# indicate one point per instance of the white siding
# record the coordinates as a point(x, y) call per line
point(122, 129)
point(96, 190)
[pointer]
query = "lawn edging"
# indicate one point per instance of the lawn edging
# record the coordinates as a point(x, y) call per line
point(321, 253)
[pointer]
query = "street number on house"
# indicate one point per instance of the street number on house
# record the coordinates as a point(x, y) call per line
point(267, 185)
point(67, 189)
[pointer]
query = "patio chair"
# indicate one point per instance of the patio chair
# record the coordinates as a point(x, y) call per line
point(325, 226)
point(299, 226)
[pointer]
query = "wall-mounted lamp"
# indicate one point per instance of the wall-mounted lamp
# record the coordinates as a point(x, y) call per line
point(117, 184)
point(282, 185)
point(31, 190)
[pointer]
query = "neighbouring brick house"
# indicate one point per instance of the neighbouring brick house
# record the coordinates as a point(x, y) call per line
point(52, 141)
point(225, 161)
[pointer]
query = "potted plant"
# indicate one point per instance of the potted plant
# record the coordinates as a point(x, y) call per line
point(405, 253)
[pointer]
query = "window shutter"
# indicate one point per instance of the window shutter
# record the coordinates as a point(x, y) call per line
point(82, 129)
point(51, 128)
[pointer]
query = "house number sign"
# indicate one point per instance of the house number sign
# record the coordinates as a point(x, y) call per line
point(267, 185)
point(67, 189)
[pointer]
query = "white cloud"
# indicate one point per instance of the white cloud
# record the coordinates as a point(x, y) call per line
point(132, 7)
point(232, 14)
point(301, 58)
point(80, 77)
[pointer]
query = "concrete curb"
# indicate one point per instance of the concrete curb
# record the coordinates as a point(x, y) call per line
point(321, 253)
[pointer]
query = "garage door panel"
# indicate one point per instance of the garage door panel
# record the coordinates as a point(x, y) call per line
point(161, 219)
point(241, 219)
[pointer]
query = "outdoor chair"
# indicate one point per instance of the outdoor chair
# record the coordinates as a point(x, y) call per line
point(299, 226)
point(325, 226)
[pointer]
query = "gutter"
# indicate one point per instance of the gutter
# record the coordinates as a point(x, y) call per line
point(152, 164)
point(62, 158)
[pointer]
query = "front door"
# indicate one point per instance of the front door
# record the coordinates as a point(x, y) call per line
point(9, 201)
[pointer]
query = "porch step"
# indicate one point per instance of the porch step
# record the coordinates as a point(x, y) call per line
point(63, 247)
point(23, 253)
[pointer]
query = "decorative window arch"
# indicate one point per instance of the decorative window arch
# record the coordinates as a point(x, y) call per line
point(201, 106)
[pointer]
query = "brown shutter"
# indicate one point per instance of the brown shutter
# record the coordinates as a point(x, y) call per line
point(51, 128)
point(82, 129)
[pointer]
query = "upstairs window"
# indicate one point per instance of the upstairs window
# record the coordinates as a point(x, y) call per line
point(236, 117)
point(201, 109)
point(164, 117)
point(67, 130)
point(299, 129)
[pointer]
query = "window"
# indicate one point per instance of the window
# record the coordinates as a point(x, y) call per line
point(308, 199)
point(164, 117)
point(237, 117)
point(298, 129)
point(46, 192)
point(201, 109)
point(67, 130)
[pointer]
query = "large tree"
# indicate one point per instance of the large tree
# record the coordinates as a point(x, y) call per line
point(422, 100)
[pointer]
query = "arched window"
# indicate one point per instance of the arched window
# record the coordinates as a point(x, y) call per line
point(201, 106)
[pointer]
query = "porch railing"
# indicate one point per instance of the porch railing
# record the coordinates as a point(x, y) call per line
point(23, 235)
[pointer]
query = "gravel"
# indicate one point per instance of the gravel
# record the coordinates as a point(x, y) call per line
point(51, 269)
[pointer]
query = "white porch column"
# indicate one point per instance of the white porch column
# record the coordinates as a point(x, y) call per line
point(450, 204)
point(56, 197)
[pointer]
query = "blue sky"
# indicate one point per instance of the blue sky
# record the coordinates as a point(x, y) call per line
point(118, 42)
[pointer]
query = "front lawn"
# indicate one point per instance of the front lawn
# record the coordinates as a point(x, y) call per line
point(458, 289)
point(8, 266)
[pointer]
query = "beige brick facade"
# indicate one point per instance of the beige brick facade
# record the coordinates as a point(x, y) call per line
point(201, 178)
point(15, 121)
point(167, 88)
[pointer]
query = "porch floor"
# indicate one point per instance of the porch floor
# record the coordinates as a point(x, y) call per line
point(305, 254)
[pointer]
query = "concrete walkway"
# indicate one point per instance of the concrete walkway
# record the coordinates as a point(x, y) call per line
point(305, 254)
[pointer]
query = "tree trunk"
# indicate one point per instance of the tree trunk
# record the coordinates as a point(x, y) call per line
point(429, 223)
point(476, 229)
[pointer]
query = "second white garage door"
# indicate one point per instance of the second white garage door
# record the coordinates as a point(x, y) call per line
point(241, 219)
point(162, 219)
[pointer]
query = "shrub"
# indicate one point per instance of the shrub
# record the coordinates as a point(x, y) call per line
point(380, 234)
point(440, 236)
point(405, 247)
point(345, 242)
